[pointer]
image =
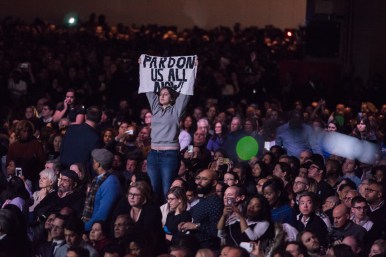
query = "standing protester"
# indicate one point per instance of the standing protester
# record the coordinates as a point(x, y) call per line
point(163, 159)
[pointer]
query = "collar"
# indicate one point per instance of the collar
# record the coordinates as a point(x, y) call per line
point(61, 195)
point(376, 207)
point(361, 222)
point(47, 120)
point(58, 242)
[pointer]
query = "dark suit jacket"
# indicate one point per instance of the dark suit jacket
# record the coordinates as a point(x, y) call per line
point(46, 249)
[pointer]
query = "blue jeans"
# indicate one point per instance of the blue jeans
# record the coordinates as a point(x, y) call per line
point(162, 168)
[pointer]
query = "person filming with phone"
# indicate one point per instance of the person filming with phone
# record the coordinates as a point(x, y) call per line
point(238, 225)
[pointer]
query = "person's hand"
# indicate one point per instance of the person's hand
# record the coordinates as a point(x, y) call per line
point(256, 251)
point(187, 155)
point(220, 161)
point(236, 210)
point(45, 191)
point(169, 237)
point(227, 210)
point(65, 103)
point(252, 161)
point(186, 226)
point(22, 178)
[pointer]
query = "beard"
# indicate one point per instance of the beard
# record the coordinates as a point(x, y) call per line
point(204, 190)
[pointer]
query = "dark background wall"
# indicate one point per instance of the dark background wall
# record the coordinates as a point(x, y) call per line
point(361, 35)
point(183, 13)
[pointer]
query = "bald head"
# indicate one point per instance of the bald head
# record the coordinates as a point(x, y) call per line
point(211, 174)
point(340, 215)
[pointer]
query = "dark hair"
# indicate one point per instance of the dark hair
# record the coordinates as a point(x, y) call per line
point(222, 151)
point(349, 183)
point(342, 250)
point(301, 248)
point(379, 167)
point(336, 168)
point(314, 198)
point(141, 176)
point(337, 125)
point(50, 105)
point(93, 114)
point(234, 174)
point(224, 131)
point(104, 227)
point(114, 248)
point(264, 169)
point(194, 122)
point(74, 224)
point(173, 94)
point(179, 193)
point(285, 167)
point(265, 210)
point(80, 251)
point(277, 185)
point(184, 184)
point(358, 199)
point(106, 130)
point(15, 188)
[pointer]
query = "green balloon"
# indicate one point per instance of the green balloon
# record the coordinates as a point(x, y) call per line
point(246, 148)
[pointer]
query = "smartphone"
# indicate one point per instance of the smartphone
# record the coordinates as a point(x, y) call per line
point(247, 246)
point(24, 65)
point(230, 201)
point(130, 132)
point(18, 171)
point(190, 149)
point(226, 161)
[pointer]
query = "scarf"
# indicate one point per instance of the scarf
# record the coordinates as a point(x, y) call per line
point(89, 204)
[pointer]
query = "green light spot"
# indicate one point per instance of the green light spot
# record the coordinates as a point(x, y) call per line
point(246, 148)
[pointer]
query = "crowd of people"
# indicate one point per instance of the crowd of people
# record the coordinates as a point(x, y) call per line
point(77, 143)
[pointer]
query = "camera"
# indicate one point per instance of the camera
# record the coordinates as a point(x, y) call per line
point(230, 201)
point(18, 171)
point(130, 132)
point(24, 65)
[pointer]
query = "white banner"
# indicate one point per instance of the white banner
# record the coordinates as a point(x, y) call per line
point(176, 72)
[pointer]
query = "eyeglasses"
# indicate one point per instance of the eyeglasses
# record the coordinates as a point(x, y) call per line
point(201, 178)
point(300, 182)
point(171, 198)
point(229, 179)
point(133, 195)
